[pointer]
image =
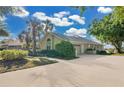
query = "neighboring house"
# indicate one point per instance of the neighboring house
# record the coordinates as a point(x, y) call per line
point(81, 44)
point(11, 44)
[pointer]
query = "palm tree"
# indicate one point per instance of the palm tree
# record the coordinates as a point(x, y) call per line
point(3, 29)
point(48, 26)
point(33, 24)
point(5, 10)
point(32, 35)
point(82, 8)
point(39, 33)
point(25, 37)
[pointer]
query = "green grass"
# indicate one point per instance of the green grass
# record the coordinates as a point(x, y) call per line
point(28, 62)
point(117, 54)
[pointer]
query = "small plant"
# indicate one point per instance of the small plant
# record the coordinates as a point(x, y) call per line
point(13, 54)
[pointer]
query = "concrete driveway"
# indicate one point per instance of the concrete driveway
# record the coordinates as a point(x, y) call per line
point(88, 70)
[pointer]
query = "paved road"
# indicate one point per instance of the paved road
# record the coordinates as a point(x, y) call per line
point(88, 70)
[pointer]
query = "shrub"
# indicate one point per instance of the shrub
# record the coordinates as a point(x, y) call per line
point(102, 52)
point(48, 53)
point(13, 54)
point(65, 50)
point(90, 49)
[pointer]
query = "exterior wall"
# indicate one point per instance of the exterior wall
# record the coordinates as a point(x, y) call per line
point(54, 41)
point(77, 49)
point(83, 48)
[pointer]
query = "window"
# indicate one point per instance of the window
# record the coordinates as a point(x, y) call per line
point(48, 44)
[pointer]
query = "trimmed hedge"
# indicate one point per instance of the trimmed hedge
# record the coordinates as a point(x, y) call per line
point(102, 52)
point(66, 50)
point(13, 54)
point(48, 53)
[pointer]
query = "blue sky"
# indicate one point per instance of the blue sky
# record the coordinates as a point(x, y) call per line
point(75, 25)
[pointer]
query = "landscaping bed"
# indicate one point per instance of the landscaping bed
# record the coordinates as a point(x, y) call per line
point(28, 62)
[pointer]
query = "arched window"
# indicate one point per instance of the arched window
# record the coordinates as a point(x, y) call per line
point(48, 44)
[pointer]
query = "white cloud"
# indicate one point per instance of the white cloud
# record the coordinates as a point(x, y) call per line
point(56, 21)
point(76, 32)
point(60, 22)
point(77, 18)
point(40, 15)
point(61, 14)
point(104, 10)
point(21, 12)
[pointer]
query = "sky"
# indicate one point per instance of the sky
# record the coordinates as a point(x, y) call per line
point(67, 20)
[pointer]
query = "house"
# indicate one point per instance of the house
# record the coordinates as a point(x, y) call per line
point(11, 44)
point(81, 44)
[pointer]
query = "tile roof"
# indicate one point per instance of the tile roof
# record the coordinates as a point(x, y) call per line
point(75, 38)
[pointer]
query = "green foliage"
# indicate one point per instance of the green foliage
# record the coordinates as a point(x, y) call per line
point(102, 52)
point(66, 50)
point(118, 13)
point(13, 54)
point(3, 29)
point(110, 29)
point(63, 50)
point(5, 10)
point(90, 51)
point(82, 9)
point(48, 53)
point(118, 54)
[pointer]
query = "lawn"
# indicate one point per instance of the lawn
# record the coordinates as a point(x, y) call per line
point(117, 54)
point(28, 62)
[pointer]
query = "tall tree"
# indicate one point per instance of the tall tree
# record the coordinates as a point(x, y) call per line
point(81, 9)
point(4, 11)
point(34, 24)
point(25, 36)
point(32, 35)
point(3, 29)
point(110, 29)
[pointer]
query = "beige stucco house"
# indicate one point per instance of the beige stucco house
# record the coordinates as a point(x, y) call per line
point(81, 44)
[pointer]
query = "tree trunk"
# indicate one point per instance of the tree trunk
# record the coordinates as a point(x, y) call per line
point(118, 46)
point(39, 39)
point(34, 40)
point(119, 50)
point(27, 41)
